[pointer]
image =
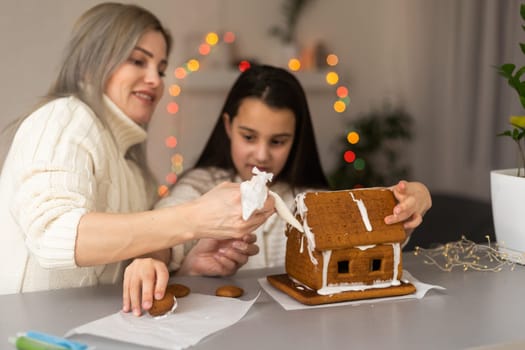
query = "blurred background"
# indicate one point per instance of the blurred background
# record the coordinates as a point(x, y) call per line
point(412, 91)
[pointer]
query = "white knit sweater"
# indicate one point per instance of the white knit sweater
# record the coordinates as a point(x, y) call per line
point(63, 163)
point(271, 237)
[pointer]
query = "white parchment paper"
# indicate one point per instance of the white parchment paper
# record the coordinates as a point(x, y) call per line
point(289, 303)
point(196, 317)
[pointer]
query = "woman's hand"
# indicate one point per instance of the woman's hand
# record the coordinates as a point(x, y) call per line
point(144, 279)
point(218, 213)
point(413, 202)
point(211, 257)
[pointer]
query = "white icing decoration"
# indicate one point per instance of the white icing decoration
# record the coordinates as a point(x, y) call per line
point(365, 247)
point(327, 254)
point(298, 283)
point(364, 213)
point(310, 237)
point(397, 258)
point(345, 287)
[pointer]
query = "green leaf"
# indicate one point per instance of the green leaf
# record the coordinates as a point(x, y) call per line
point(506, 70)
point(522, 45)
point(522, 11)
point(505, 133)
point(519, 72)
point(522, 100)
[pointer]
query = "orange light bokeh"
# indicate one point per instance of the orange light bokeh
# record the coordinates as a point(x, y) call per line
point(172, 107)
point(352, 137)
point(212, 38)
point(228, 37)
point(171, 142)
point(174, 90)
point(332, 60)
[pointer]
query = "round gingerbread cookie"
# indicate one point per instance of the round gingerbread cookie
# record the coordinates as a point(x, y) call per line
point(229, 291)
point(178, 290)
point(161, 306)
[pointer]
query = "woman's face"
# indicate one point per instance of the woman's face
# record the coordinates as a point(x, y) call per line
point(260, 136)
point(136, 86)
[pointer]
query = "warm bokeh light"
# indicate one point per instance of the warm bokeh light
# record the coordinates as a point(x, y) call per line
point(172, 107)
point(204, 49)
point(359, 164)
point(177, 159)
point(171, 142)
point(332, 59)
point(339, 106)
point(244, 65)
point(212, 38)
point(332, 78)
point(228, 37)
point(342, 91)
point(294, 64)
point(180, 73)
point(193, 65)
point(177, 168)
point(171, 178)
point(349, 156)
point(175, 90)
point(162, 191)
point(352, 137)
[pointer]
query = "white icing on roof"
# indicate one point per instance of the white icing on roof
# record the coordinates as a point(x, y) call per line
point(363, 212)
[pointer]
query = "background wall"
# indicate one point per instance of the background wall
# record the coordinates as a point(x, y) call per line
point(434, 57)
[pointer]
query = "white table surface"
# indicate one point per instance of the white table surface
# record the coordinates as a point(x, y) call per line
point(477, 309)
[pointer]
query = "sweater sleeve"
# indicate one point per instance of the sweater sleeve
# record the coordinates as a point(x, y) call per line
point(55, 182)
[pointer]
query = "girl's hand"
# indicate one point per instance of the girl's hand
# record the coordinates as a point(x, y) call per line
point(413, 202)
point(144, 279)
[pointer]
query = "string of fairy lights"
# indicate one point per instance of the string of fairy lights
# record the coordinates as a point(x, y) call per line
point(192, 66)
point(468, 255)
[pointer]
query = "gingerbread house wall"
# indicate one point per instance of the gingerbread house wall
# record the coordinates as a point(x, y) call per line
point(346, 265)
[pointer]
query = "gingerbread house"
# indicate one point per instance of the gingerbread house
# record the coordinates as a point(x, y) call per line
point(346, 252)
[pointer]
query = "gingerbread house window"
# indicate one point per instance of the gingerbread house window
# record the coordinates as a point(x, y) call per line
point(375, 265)
point(343, 266)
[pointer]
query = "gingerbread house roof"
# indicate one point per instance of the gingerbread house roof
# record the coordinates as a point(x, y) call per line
point(345, 219)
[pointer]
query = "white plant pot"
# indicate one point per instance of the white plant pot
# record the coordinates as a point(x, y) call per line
point(508, 211)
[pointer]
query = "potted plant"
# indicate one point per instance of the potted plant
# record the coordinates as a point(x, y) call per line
point(508, 185)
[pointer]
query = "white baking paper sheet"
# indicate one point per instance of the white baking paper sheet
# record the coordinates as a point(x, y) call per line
point(289, 303)
point(196, 317)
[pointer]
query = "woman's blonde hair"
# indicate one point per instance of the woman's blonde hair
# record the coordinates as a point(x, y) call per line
point(102, 39)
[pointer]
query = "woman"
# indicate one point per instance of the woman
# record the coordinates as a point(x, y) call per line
point(75, 191)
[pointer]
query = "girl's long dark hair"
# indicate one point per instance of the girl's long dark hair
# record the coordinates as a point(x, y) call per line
point(277, 88)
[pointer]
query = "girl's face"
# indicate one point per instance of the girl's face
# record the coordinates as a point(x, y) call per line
point(136, 86)
point(260, 136)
